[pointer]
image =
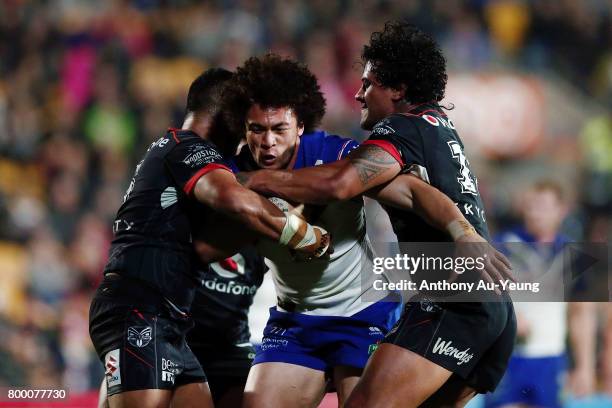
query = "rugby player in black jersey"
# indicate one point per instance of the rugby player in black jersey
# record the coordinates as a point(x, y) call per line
point(220, 338)
point(419, 363)
point(140, 313)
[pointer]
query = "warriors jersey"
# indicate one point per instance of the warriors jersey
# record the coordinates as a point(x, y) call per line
point(152, 229)
point(426, 143)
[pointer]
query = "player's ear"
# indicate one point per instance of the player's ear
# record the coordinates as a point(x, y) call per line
point(300, 129)
point(398, 94)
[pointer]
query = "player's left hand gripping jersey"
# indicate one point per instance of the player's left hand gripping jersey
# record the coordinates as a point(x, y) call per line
point(324, 287)
point(152, 229)
point(428, 146)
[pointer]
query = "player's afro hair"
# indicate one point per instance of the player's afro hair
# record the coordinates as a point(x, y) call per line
point(274, 82)
point(402, 54)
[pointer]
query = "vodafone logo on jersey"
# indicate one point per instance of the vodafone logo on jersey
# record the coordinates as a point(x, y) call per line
point(229, 268)
point(431, 120)
point(445, 122)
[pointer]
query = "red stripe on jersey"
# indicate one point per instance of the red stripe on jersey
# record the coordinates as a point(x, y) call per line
point(433, 110)
point(173, 131)
point(408, 114)
point(387, 147)
point(190, 185)
point(174, 136)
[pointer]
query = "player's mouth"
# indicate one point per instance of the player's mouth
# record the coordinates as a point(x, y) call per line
point(268, 159)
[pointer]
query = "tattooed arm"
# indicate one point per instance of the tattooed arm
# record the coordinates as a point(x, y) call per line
point(367, 167)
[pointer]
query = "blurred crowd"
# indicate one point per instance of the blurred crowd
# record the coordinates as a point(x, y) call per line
point(85, 86)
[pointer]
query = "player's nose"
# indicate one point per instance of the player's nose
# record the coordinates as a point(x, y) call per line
point(268, 139)
point(359, 95)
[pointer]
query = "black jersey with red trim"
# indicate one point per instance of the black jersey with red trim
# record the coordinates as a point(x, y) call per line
point(152, 229)
point(426, 143)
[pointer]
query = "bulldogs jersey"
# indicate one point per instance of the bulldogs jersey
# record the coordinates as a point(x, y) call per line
point(152, 229)
point(325, 287)
point(426, 143)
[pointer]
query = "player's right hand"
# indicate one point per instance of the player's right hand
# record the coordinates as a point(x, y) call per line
point(299, 235)
point(497, 267)
point(311, 241)
point(322, 245)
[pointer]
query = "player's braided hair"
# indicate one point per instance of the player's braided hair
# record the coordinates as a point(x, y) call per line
point(402, 54)
point(273, 82)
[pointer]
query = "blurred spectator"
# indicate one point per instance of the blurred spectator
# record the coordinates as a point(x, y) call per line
point(596, 143)
point(536, 372)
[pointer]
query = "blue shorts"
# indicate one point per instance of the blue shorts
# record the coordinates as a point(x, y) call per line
point(323, 342)
point(534, 381)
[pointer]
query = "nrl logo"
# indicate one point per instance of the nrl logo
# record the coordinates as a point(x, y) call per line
point(139, 336)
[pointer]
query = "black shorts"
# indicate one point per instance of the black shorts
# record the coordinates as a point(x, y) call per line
point(141, 346)
point(226, 367)
point(473, 340)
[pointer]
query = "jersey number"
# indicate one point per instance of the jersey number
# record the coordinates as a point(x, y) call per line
point(465, 179)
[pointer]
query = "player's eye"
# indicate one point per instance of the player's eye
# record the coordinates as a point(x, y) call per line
point(256, 129)
point(280, 130)
point(365, 83)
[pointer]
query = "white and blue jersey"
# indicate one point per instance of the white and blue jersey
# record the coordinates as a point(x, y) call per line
point(319, 302)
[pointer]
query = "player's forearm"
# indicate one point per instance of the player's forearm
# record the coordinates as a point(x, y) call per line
point(253, 210)
point(407, 192)
point(221, 238)
point(220, 191)
point(366, 168)
point(209, 252)
point(313, 185)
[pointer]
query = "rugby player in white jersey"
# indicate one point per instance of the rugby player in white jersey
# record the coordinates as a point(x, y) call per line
point(320, 325)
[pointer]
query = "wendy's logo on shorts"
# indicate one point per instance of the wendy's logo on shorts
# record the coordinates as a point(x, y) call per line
point(139, 336)
point(445, 348)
